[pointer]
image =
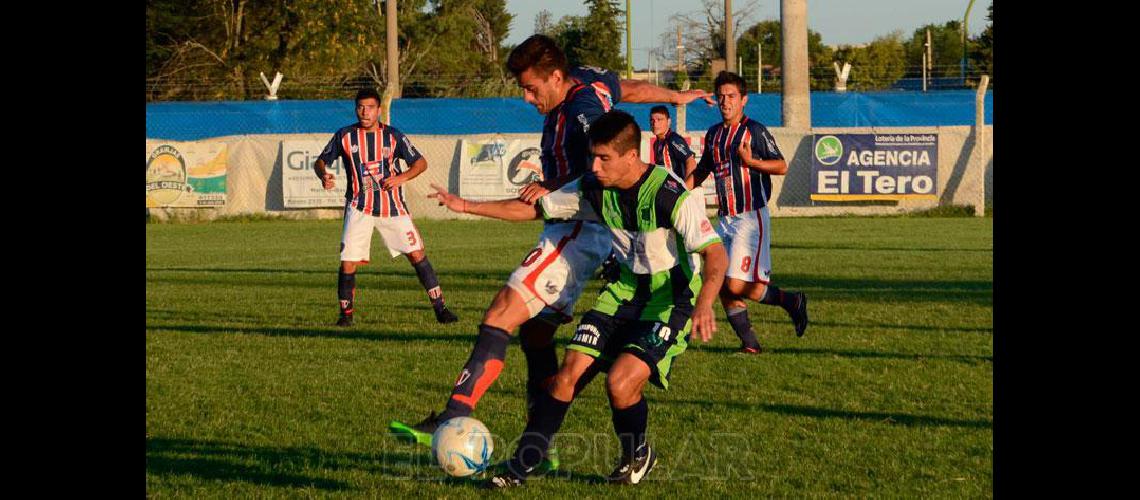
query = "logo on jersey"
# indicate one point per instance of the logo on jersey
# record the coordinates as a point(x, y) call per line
point(585, 123)
point(355, 148)
point(672, 185)
point(587, 334)
point(706, 228)
point(828, 150)
point(408, 144)
point(551, 287)
point(462, 377)
point(165, 175)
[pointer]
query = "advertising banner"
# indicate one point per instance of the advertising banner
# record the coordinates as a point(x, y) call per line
point(854, 167)
point(186, 174)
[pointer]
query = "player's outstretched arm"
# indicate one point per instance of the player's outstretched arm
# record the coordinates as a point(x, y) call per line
point(715, 263)
point(513, 209)
point(642, 91)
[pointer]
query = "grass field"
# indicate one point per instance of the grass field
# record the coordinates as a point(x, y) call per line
point(251, 392)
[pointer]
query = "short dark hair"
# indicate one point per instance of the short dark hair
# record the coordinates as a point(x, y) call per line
point(659, 110)
point(726, 77)
point(368, 93)
point(617, 129)
point(539, 52)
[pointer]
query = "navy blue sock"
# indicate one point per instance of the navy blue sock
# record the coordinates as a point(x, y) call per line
point(630, 425)
point(535, 441)
point(738, 318)
point(482, 369)
point(430, 283)
point(346, 290)
point(775, 297)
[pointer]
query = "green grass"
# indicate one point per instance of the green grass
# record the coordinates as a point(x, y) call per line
point(250, 391)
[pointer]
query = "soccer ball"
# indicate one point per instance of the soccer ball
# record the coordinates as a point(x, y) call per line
point(462, 446)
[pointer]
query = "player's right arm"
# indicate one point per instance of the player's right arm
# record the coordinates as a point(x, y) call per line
point(328, 155)
point(698, 236)
point(512, 209)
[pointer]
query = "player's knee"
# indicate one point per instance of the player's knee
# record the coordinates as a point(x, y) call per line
point(562, 387)
point(348, 266)
point(415, 257)
point(536, 334)
point(623, 391)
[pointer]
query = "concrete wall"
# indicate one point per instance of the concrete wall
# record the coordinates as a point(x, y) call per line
point(253, 184)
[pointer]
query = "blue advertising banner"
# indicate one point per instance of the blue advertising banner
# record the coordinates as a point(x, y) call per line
point(856, 167)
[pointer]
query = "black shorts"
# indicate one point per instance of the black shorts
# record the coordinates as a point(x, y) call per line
point(604, 338)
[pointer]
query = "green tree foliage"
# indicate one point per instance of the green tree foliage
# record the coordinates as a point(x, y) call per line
point(602, 47)
point(946, 49)
point(876, 66)
point(982, 48)
point(214, 49)
point(768, 34)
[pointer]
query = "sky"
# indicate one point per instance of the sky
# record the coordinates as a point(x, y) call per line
point(839, 22)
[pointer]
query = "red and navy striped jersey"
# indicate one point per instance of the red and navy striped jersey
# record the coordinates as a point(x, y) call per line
point(370, 156)
point(739, 189)
point(671, 152)
point(565, 146)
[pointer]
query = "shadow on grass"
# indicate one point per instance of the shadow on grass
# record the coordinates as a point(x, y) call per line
point(362, 271)
point(903, 419)
point(778, 351)
point(796, 246)
point(822, 287)
point(271, 466)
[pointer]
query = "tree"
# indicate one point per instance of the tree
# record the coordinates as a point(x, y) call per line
point(945, 46)
point(602, 47)
point(703, 36)
point(770, 37)
point(982, 52)
point(543, 22)
point(876, 66)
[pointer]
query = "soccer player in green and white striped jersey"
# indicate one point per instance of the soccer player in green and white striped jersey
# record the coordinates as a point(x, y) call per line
point(642, 321)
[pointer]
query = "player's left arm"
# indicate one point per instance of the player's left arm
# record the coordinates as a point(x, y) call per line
point(766, 156)
point(512, 209)
point(643, 91)
point(406, 151)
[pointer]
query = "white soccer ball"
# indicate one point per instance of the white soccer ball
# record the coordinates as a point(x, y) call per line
point(462, 446)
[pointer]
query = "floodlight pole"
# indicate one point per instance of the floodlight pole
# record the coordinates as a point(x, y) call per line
point(393, 50)
point(628, 42)
point(796, 100)
point(729, 40)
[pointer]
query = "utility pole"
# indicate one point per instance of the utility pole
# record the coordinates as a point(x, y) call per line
point(393, 50)
point(797, 97)
point(628, 43)
point(759, 69)
point(729, 40)
point(929, 61)
point(680, 51)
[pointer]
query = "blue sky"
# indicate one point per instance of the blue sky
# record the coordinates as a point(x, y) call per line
point(840, 22)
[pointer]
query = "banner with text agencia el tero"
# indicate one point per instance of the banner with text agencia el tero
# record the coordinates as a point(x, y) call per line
point(853, 167)
point(497, 169)
point(300, 186)
point(186, 174)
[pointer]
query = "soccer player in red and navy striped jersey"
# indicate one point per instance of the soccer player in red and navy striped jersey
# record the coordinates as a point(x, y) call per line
point(666, 147)
point(742, 155)
point(374, 199)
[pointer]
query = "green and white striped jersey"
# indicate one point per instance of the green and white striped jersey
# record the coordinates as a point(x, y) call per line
point(657, 230)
